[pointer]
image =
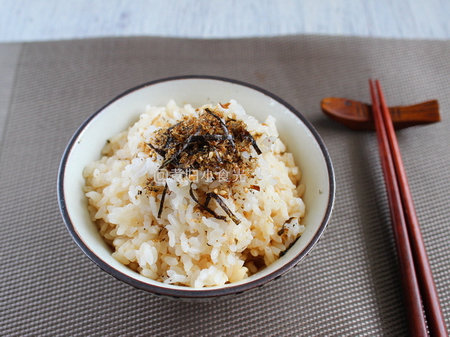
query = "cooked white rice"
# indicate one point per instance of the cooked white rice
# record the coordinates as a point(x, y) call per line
point(185, 246)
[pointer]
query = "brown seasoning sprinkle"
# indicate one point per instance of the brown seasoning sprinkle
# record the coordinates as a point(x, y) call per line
point(205, 143)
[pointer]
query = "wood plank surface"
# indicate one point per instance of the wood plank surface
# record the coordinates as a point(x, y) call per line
point(24, 20)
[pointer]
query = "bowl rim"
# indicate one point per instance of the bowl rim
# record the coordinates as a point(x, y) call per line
point(193, 293)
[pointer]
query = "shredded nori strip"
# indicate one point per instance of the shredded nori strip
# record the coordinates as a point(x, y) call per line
point(208, 199)
point(224, 207)
point(168, 142)
point(211, 137)
point(290, 246)
point(253, 141)
point(166, 162)
point(205, 207)
point(223, 126)
point(161, 152)
point(185, 145)
point(281, 231)
point(161, 204)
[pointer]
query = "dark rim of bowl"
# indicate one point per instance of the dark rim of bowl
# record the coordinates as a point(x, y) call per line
point(189, 292)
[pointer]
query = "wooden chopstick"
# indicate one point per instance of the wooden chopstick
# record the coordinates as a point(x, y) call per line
point(416, 272)
point(413, 301)
point(433, 311)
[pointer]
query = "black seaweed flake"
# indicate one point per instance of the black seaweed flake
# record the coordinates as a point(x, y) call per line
point(161, 204)
point(281, 231)
point(185, 145)
point(253, 141)
point(205, 207)
point(223, 126)
point(290, 246)
point(161, 152)
point(202, 138)
point(224, 207)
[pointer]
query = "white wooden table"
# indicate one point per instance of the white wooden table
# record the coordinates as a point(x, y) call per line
point(25, 20)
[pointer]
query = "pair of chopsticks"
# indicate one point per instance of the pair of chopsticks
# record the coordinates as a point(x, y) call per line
point(421, 298)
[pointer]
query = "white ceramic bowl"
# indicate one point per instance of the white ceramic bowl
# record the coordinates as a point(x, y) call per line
point(295, 131)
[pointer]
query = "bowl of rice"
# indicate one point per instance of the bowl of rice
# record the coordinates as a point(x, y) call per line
point(196, 187)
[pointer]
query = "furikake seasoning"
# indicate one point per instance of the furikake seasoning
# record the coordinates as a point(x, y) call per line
point(209, 143)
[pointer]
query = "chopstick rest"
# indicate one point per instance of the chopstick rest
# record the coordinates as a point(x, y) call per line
point(359, 116)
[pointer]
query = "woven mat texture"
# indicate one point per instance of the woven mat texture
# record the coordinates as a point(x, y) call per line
point(348, 286)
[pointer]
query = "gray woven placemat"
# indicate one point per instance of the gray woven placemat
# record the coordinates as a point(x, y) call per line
point(349, 285)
